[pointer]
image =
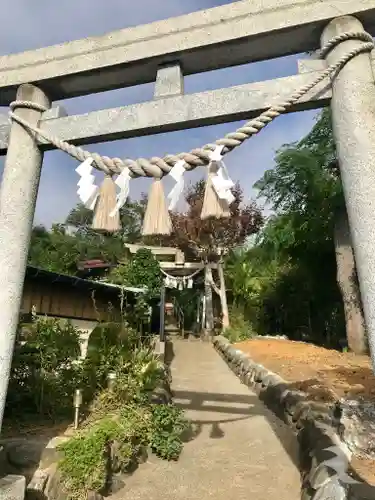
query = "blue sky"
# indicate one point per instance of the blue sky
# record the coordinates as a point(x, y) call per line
point(41, 23)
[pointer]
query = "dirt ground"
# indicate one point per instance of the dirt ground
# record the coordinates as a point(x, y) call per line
point(326, 375)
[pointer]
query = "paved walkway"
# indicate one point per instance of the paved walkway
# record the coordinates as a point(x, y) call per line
point(242, 451)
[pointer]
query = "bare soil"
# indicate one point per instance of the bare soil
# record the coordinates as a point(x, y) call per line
point(325, 374)
point(44, 429)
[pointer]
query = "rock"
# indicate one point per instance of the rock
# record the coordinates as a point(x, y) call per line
point(320, 475)
point(94, 495)
point(291, 399)
point(3, 461)
point(50, 454)
point(117, 483)
point(12, 487)
point(314, 441)
point(361, 492)
point(25, 453)
point(260, 374)
point(301, 411)
point(358, 426)
point(332, 490)
point(307, 494)
point(271, 379)
point(160, 395)
point(35, 488)
point(318, 423)
point(272, 337)
point(319, 412)
point(356, 389)
point(54, 488)
point(247, 365)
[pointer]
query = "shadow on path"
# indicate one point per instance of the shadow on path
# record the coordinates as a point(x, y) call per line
point(225, 408)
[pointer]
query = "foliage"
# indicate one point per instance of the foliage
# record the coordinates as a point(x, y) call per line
point(168, 424)
point(286, 284)
point(80, 217)
point(131, 217)
point(240, 329)
point(46, 366)
point(242, 278)
point(60, 252)
point(187, 299)
point(142, 271)
point(45, 371)
point(107, 342)
point(84, 464)
point(121, 424)
point(200, 239)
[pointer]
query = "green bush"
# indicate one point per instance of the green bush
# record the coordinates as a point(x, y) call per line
point(108, 343)
point(45, 369)
point(240, 329)
point(168, 425)
point(143, 271)
point(121, 424)
point(84, 464)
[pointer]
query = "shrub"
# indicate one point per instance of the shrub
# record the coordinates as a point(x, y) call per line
point(240, 328)
point(120, 425)
point(168, 425)
point(109, 342)
point(143, 271)
point(44, 371)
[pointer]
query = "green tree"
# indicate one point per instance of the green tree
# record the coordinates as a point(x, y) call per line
point(310, 231)
point(142, 271)
point(80, 217)
point(131, 217)
point(60, 252)
point(54, 250)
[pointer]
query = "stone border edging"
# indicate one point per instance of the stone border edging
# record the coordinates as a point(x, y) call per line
point(317, 427)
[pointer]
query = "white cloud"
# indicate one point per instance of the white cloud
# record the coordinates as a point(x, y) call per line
point(42, 23)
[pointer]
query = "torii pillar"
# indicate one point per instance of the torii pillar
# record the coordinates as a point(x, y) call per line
point(18, 193)
point(353, 119)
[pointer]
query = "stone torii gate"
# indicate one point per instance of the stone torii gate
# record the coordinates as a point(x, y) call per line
point(164, 52)
point(180, 268)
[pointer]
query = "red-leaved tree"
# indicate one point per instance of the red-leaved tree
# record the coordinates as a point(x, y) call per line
point(206, 240)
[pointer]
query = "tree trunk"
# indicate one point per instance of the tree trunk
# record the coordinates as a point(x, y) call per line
point(223, 297)
point(209, 324)
point(347, 281)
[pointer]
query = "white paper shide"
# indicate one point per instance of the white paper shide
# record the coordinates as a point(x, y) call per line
point(87, 191)
point(221, 181)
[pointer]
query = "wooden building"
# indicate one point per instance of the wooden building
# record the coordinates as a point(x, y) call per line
point(83, 302)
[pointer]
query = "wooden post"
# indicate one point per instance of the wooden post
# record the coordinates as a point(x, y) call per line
point(223, 296)
point(162, 313)
point(209, 323)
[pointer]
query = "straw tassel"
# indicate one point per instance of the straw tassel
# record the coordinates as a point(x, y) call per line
point(213, 206)
point(157, 219)
point(106, 219)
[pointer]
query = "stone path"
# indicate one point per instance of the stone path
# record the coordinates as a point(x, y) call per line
point(242, 451)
